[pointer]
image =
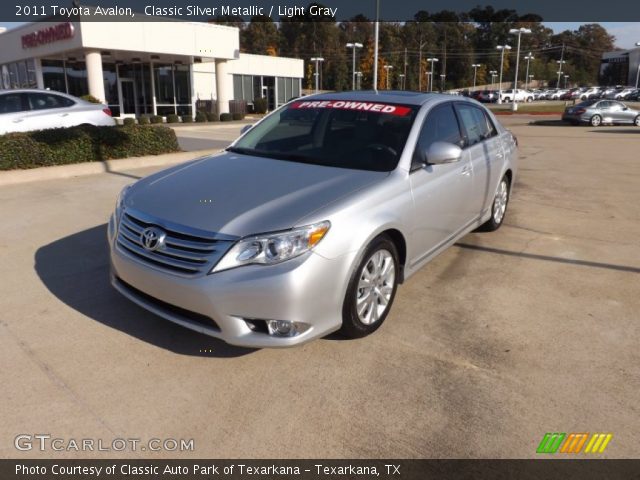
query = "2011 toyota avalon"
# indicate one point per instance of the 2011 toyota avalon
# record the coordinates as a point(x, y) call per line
point(308, 222)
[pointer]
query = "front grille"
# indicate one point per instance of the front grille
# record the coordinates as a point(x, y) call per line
point(183, 252)
point(168, 308)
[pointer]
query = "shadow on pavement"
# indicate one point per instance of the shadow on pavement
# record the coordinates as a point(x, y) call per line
point(635, 130)
point(76, 270)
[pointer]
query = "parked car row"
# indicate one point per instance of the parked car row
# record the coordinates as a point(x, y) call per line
point(578, 93)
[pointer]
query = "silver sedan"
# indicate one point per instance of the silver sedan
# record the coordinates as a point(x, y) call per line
point(600, 112)
point(309, 221)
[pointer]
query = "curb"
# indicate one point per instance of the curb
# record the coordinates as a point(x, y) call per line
point(15, 177)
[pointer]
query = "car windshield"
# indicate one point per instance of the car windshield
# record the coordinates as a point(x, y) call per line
point(336, 133)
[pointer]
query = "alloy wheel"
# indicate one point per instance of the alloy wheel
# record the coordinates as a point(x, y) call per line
point(375, 286)
point(500, 202)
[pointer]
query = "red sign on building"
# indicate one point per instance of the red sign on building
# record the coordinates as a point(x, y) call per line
point(52, 34)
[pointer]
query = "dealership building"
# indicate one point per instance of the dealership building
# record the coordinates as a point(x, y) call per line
point(621, 67)
point(150, 67)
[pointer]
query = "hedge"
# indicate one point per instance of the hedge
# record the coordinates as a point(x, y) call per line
point(201, 117)
point(260, 105)
point(237, 115)
point(156, 119)
point(173, 118)
point(186, 119)
point(226, 117)
point(129, 121)
point(63, 146)
point(212, 117)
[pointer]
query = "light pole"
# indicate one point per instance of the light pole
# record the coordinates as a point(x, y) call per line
point(475, 67)
point(401, 81)
point(530, 77)
point(442, 77)
point(638, 74)
point(387, 68)
point(518, 31)
point(502, 48)
point(433, 60)
point(317, 60)
point(565, 81)
point(358, 80)
point(493, 74)
point(353, 65)
point(560, 63)
point(528, 58)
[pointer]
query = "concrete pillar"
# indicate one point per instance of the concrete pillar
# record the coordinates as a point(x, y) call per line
point(39, 77)
point(95, 77)
point(222, 92)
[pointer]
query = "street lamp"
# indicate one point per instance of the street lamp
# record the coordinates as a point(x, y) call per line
point(493, 74)
point(560, 63)
point(353, 68)
point(433, 60)
point(528, 58)
point(358, 80)
point(502, 48)
point(475, 67)
point(442, 77)
point(401, 76)
point(387, 68)
point(565, 81)
point(518, 31)
point(317, 60)
point(638, 74)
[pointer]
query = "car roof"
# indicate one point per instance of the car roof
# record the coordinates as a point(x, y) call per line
point(391, 96)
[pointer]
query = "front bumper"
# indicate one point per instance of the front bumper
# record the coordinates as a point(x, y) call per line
point(309, 289)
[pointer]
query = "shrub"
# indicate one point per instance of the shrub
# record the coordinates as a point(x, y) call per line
point(226, 117)
point(187, 119)
point(90, 98)
point(260, 105)
point(129, 121)
point(237, 116)
point(87, 143)
point(212, 117)
point(173, 118)
point(156, 119)
point(201, 117)
point(144, 120)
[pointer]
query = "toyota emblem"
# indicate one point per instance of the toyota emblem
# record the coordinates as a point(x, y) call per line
point(152, 238)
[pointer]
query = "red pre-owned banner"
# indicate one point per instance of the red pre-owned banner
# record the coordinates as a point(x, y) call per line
point(352, 105)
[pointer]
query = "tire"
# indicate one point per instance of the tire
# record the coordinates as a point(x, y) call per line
point(636, 121)
point(529, 99)
point(498, 207)
point(506, 99)
point(596, 121)
point(359, 316)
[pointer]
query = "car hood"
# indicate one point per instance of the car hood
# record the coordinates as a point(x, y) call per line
point(239, 195)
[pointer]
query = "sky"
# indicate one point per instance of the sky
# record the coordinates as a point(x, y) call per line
point(626, 33)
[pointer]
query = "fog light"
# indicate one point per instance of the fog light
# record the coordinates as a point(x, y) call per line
point(281, 328)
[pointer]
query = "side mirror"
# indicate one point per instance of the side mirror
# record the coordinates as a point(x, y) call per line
point(245, 129)
point(442, 152)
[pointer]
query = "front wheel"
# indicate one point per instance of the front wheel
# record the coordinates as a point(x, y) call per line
point(371, 290)
point(636, 122)
point(596, 121)
point(498, 208)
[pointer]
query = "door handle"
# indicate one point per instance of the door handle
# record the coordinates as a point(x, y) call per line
point(64, 114)
point(18, 120)
point(466, 170)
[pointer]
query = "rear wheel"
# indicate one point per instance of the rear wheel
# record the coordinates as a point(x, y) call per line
point(498, 208)
point(507, 99)
point(371, 290)
point(636, 122)
point(596, 121)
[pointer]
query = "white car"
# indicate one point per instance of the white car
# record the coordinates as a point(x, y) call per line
point(621, 94)
point(26, 110)
point(506, 96)
point(592, 92)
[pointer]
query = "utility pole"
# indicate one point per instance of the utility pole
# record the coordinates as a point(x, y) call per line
point(317, 60)
point(493, 74)
point(422, 44)
point(502, 48)
point(375, 48)
point(402, 77)
point(404, 73)
point(560, 63)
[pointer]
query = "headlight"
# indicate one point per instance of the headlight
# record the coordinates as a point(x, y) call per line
point(120, 202)
point(273, 248)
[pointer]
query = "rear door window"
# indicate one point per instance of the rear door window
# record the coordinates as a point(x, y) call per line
point(45, 101)
point(475, 124)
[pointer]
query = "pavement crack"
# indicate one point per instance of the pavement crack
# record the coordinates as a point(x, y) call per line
point(55, 378)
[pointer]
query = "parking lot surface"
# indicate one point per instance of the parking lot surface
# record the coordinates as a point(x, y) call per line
point(504, 337)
